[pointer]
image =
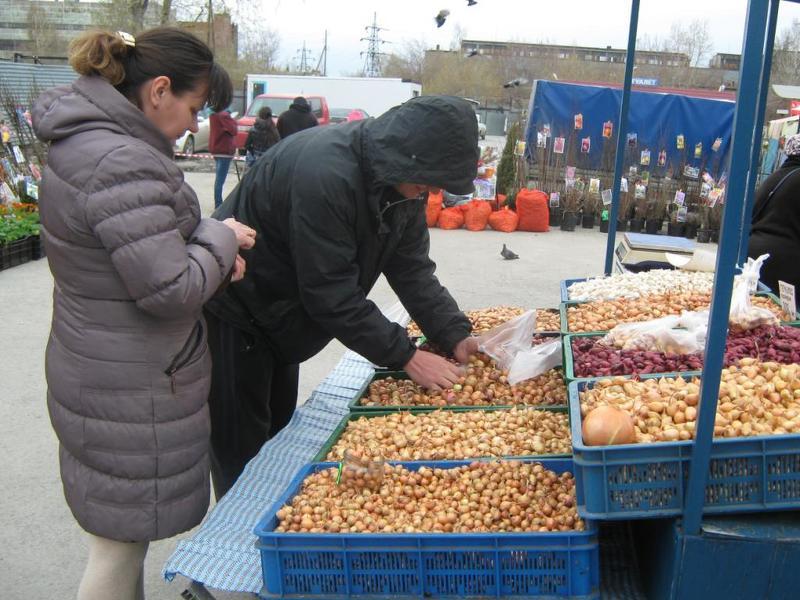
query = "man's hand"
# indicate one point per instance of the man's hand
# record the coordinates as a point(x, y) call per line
point(465, 348)
point(432, 371)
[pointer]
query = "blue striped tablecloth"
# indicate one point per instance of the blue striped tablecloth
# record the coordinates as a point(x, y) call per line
point(222, 554)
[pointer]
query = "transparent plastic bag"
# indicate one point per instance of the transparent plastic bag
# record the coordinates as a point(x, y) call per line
point(504, 341)
point(743, 314)
point(359, 472)
point(511, 346)
point(684, 334)
point(535, 361)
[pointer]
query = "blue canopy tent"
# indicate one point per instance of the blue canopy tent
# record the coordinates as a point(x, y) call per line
point(658, 122)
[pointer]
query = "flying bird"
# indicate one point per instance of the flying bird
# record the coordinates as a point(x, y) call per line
point(508, 254)
point(471, 53)
point(441, 17)
point(472, 2)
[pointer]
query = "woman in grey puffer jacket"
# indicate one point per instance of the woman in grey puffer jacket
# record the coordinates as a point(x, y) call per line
point(133, 263)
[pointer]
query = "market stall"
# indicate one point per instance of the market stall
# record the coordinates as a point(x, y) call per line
point(467, 491)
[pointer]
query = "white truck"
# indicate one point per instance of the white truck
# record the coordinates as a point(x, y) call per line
point(375, 95)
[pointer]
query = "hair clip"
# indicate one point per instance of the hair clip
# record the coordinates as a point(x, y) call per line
point(127, 38)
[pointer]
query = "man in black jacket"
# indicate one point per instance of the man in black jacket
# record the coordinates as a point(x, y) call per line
point(334, 208)
point(296, 118)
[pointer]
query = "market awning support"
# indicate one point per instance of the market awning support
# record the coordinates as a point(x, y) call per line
point(730, 234)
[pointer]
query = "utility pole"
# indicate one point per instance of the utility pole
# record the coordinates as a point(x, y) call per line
point(323, 57)
point(304, 66)
point(372, 61)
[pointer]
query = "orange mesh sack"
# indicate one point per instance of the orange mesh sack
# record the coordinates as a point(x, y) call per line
point(451, 218)
point(433, 209)
point(504, 219)
point(476, 215)
point(533, 210)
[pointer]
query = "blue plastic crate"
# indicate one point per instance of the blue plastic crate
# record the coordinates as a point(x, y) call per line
point(513, 565)
point(638, 481)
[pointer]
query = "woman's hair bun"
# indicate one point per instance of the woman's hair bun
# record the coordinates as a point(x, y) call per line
point(99, 53)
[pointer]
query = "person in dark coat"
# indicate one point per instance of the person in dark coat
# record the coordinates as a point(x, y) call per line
point(263, 136)
point(127, 365)
point(775, 228)
point(336, 207)
point(296, 118)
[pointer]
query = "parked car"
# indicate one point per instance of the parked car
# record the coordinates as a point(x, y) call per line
point(278, 103)
point(190, 142)
point(343, 115)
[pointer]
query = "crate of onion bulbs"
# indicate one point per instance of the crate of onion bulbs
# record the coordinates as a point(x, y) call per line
point(633, 438)
point(548, 320)
point(428, 529)
point(451, 435)
point(483, 384)
point(599, 316)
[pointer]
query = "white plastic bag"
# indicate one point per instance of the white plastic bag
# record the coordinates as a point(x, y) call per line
point(743, 314)
point(684, 334)
point(511, 346)
point(535, 361)
point(504, 341)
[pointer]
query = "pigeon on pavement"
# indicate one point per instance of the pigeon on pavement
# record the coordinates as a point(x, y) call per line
point(508, 254)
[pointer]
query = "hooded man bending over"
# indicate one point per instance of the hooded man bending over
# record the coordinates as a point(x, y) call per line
point(334, 208)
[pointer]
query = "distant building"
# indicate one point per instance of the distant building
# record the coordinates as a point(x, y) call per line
point(582, 53)
point(224, 33)
point(727, 62)
point(44, 28)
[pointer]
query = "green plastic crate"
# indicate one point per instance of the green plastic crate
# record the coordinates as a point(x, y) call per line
point(337, 433)
point(356, 407)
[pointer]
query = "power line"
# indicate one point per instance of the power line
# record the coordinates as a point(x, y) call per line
point(304, 60)
point(372, 60)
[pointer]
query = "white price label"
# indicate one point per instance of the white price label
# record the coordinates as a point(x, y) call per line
point(788, 299)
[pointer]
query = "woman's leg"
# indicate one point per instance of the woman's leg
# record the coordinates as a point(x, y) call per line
point(114, 570)
point(221, 173)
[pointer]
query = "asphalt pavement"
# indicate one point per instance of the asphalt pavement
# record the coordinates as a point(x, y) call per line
point(43, 550)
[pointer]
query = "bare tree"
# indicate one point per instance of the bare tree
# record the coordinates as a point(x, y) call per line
point(693, 40)
point(409, 63)
point(45, 39)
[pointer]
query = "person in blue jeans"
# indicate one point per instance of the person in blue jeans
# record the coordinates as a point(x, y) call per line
point(222, 144)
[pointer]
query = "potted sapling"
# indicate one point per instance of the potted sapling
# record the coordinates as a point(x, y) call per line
point(571, 205)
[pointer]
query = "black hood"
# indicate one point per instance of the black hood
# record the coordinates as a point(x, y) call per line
point(300, 104)
point(429, 140)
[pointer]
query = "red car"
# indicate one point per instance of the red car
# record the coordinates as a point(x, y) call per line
point(278, 103)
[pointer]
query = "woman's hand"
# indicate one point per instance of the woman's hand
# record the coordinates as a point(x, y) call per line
point(432, 371)
point(239, 267)
point(245, 236)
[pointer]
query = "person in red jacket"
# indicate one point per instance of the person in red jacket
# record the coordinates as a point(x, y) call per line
point(221, 144)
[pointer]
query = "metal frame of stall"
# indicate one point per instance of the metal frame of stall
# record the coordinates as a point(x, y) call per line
point(759, 36)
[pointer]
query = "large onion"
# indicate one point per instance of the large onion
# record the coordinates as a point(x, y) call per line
point(606, 426)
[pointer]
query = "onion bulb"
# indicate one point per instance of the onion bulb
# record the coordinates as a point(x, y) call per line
point(606, 426)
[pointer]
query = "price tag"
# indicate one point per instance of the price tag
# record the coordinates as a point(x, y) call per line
point(607, 197)
point(788, 299)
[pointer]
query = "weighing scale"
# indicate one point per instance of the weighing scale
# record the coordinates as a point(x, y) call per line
point(643, 251)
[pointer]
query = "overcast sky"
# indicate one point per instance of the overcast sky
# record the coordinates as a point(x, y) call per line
point(575, 22)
